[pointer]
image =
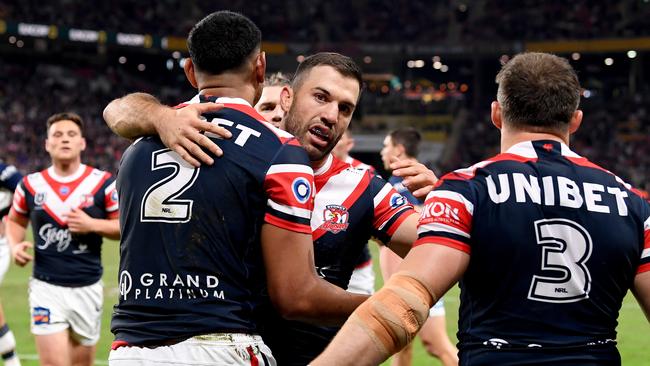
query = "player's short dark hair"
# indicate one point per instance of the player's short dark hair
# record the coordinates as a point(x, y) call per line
point(222, 41)
point(538, 92)
point(408, 137)
point(66, 116)
point(343, 64)
point(277, 79)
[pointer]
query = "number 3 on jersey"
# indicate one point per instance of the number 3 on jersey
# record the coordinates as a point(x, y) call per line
point(566, 247)
point(160, 203)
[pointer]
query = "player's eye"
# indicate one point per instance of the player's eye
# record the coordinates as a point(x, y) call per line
point(320, 97)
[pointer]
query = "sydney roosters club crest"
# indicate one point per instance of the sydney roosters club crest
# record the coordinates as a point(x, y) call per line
point(336, 218)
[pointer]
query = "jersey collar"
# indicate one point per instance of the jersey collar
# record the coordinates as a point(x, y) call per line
point(325, 167)
point(527, 150)
point(221, 100)
point(69, 178)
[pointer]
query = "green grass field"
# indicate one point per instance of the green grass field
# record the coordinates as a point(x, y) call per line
point(634, 335)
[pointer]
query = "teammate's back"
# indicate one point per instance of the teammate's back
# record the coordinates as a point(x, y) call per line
point(191, 260)
point(570, 231)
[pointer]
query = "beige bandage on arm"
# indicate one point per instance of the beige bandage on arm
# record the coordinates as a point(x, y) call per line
point(393, 316)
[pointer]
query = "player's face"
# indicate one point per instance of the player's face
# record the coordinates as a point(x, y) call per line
point(269, 105)
point(388, 151)
point(321, 110)
point(64, 141)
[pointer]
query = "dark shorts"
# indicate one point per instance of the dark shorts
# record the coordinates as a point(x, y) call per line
point(592, 356)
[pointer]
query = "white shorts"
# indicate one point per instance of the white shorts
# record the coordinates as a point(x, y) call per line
point(56, 308)
point(362, 280)
point(5, 257)
point(438, 309)
point(224, 349)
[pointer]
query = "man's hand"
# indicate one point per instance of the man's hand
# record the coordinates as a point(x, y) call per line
point(19, 253)
point(418, 179)
point(183, 130)
point(79, 222)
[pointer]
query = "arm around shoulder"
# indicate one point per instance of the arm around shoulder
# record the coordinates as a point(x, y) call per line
point(135, 115)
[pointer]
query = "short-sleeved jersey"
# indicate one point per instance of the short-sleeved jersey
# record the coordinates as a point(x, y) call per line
point(555, 243)
point(350, 206)
point(365, 258)
point(45, 198)
point(9, 179)
point(190, 256)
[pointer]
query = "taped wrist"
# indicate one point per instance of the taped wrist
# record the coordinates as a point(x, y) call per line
point(393, 316)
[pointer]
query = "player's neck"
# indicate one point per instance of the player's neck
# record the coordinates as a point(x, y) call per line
point(66, 168)
point(509, 139)
point(228, 86)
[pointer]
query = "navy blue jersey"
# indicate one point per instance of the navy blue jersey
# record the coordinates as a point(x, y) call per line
point(555, 243)
point(399, 187)
point(350, 206)
point(9, 179)
point(60, 257)
point(190, 256)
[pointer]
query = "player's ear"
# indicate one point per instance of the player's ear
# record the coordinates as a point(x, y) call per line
point(83, 143)
point(495, 114)
point(47, 145)
point(190, 71)
point(286, 98)
point(260, 67)
point(576, 121)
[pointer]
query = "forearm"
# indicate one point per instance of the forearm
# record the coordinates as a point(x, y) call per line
point(15, 229)
point(326, 304)
point(352, 339)
point(135, 115)
point(108, 228)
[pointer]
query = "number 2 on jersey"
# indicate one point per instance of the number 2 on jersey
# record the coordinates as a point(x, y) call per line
point(160, 203)
point(566, 247)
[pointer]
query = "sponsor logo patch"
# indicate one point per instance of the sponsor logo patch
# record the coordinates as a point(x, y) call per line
point(301, 189)
point(336, 218)
point(397, 200)
point(41, 316)
point(64, 190)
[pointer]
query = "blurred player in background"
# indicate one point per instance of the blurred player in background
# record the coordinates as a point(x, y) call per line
point(269, 104)
point(71, 206)
point(211, 237)
point(363, 277)
point(403, 145)
point(350, 204)
point(555, 243)
point(9, 180)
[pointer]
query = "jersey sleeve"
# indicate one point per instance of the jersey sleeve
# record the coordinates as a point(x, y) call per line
point(109, 196)
point(390, 208)
point(644, 265)
point(9, 177)
point(289, 185)
point(446, 218)
point(19, 205)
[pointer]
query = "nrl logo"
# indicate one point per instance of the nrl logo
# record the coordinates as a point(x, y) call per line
point(336, 218)
point(39, 199)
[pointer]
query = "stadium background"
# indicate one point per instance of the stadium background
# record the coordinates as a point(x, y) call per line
point(427, 64)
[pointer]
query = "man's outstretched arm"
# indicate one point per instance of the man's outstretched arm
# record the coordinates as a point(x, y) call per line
point(140, 114)
point(390, 319)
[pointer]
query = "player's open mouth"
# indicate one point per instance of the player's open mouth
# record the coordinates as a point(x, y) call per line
point(319, 136)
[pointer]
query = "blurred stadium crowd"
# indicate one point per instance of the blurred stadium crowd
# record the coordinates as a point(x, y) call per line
point(617, 136)
point(389, 21)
